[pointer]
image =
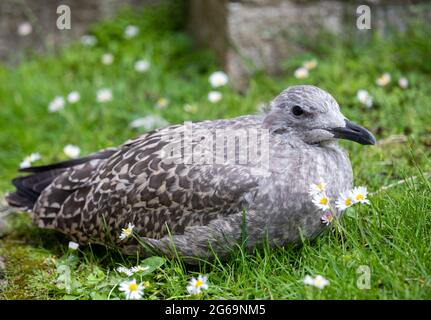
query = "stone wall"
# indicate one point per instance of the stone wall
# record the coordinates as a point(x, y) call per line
point(250, 35)
point(246, 35)
point(42, 15)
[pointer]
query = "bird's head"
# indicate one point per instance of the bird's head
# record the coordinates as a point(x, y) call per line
point(312, 115)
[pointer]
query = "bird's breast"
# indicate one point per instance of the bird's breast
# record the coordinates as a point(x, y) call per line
point(283, 202)
point(296, 169)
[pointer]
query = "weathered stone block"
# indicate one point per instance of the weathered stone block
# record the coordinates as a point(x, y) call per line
point(42, 14)
point(252, 35)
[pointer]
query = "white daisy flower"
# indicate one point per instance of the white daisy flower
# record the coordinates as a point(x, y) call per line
point(35, 156)
point(149, 122)
point(162, 103)
point(308, 280)
point(132, 290)
point(132, 270)
point(344, 201)
point(301, 73)
point(125, 270)
point(214, 96)
point(142, 66)
point(56, 104)
point(107, 58)
point(310, 64)
point(127, 232)
point(32, 157)
point(104, 95)
point(24, 29)
point(218, 79)
point(403, 83)
point(139, 269)
point(316, 188)
point(73, 97)
point(131, 32)
point(318, 282)
point(359, 195)
point(88, 40)
point(72, 151)
point(73, 245)
point(26, 163)
point(384, 79)
point(327, 218)
point(364, 98)
point(321, 201)
point(197, 285)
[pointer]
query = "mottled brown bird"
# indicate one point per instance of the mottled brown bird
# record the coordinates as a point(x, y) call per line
point(200, 209)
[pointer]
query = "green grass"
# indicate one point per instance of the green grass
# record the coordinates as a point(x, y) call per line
point(392, 236)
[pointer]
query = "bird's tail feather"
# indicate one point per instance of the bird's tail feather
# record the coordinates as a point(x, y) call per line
point(29, 188)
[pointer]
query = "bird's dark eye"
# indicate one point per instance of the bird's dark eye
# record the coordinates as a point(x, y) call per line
point(297, 111)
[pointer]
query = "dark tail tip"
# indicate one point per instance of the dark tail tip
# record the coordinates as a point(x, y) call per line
point(18, 201)
point(29, 188)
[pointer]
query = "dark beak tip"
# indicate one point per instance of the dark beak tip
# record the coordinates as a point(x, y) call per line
point(369, 139)
point(370, 143)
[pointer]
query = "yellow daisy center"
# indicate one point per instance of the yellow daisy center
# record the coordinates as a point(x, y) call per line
point(198, 283)
point(133, 287)
point(324, 201)
point(348, 202)
point(320, 186)
point(360, 197)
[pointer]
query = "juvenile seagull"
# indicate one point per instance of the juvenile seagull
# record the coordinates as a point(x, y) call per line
point(197, 209)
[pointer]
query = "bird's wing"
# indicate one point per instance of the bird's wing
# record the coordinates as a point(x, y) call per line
point(136, 185)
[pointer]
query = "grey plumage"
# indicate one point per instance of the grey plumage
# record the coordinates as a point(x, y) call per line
point(197, 209)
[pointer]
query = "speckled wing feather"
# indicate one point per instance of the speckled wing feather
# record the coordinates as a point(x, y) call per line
point(95, 199)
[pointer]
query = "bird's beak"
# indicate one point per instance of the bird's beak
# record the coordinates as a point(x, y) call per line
point(352, 131)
